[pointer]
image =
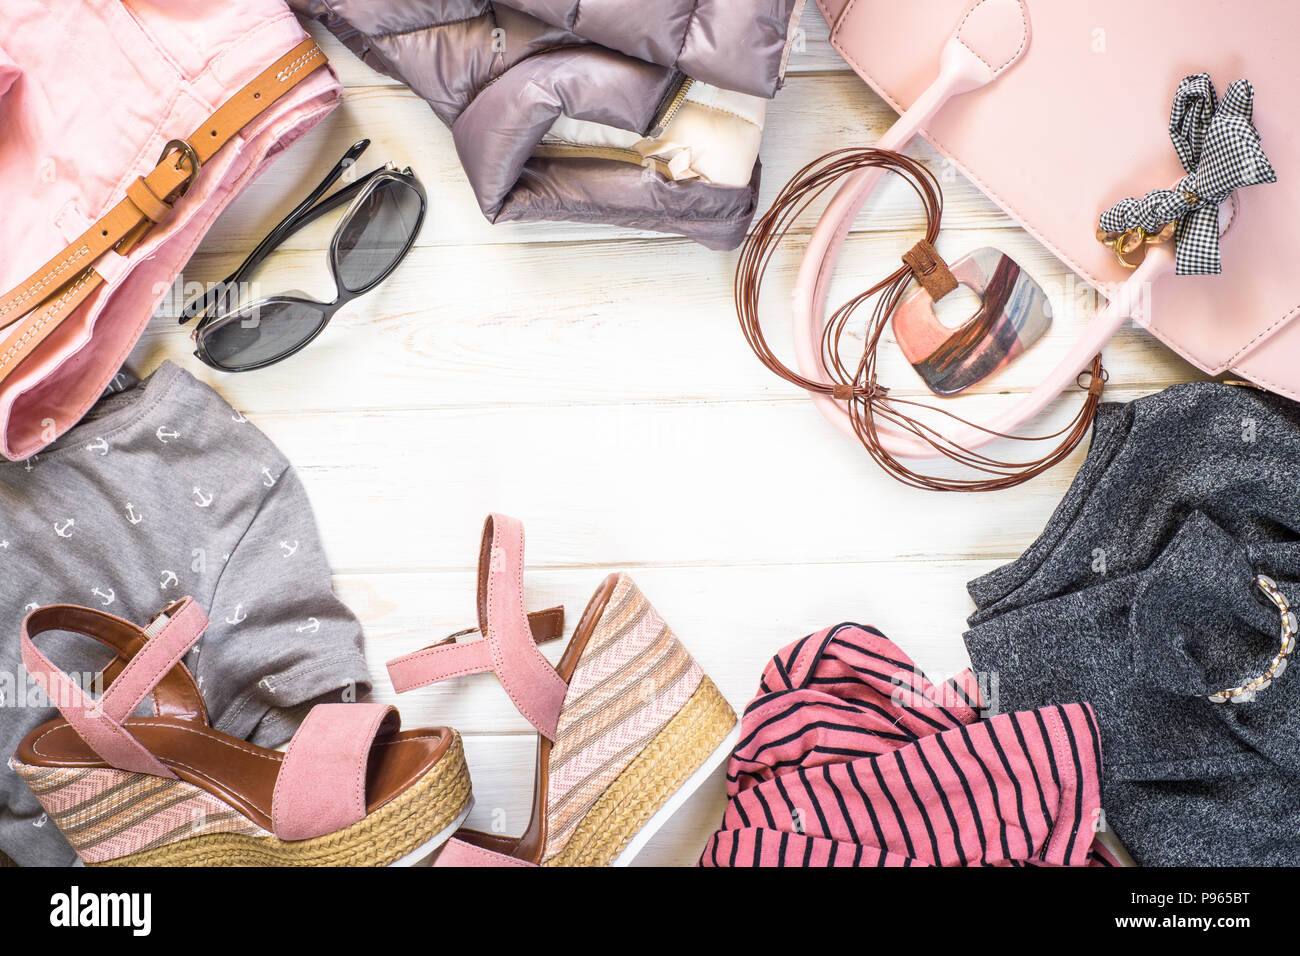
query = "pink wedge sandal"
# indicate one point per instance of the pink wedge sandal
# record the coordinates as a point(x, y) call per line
point(628, 724)
point(166, 789)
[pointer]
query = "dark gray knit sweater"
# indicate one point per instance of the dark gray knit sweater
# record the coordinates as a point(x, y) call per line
point(1139, 599)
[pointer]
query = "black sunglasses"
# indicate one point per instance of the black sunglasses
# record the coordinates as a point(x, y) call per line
point(376, 233)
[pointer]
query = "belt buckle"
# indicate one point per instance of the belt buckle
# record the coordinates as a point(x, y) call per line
point(188, 152)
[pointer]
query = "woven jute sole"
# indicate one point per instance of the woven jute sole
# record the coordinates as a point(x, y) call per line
point(427, 808)
point(650, 780)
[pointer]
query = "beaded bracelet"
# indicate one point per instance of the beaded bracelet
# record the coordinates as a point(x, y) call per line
point(1244, 693)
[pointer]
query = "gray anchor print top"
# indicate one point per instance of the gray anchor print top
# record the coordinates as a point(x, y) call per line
point(165, 490)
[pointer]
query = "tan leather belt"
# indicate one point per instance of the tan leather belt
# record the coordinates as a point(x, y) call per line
point(37, 305)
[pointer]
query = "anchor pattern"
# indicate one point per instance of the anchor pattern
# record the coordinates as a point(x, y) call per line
point(185, 530)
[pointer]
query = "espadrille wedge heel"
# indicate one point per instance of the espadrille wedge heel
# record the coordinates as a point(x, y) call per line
point(168, 790)
point(628, 724)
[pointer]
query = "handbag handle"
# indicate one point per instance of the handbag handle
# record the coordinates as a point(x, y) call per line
point(989, 38)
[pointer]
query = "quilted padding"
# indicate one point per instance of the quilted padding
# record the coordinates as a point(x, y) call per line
point(500, 75)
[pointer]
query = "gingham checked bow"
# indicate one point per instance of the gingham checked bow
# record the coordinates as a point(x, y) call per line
point(1219, 147)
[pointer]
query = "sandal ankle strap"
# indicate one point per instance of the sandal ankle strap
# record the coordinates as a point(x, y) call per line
point(508, 646)
point(451, 657)
point(147, 658)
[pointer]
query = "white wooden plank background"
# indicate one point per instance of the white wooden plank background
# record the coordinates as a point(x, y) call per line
point(611, 362)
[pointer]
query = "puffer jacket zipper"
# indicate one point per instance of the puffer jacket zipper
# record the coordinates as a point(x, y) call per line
point(670, 109)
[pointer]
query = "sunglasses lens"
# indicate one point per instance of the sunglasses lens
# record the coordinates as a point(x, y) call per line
point(261, 334)
point(377, 235)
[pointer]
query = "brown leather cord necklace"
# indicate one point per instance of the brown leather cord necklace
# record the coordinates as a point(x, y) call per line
point(854, 384)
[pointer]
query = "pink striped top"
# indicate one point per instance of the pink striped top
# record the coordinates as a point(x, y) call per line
point(849, 756)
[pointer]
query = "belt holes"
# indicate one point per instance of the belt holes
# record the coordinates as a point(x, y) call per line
point(212, 132)
point(103, 232)
point(257, 96)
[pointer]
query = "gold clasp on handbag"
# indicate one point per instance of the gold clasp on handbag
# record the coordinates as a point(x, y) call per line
point(1133, 243)
point(187, 151)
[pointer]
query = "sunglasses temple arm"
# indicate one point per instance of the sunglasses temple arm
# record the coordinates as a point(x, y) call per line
point(203, 306)
point(345, 162)
point(344, 195)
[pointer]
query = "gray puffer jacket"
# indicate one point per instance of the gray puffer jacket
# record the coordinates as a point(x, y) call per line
point(642, 113)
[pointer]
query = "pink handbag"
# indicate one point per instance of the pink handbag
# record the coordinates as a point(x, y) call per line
point(1058, 110)
point(129, 125)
